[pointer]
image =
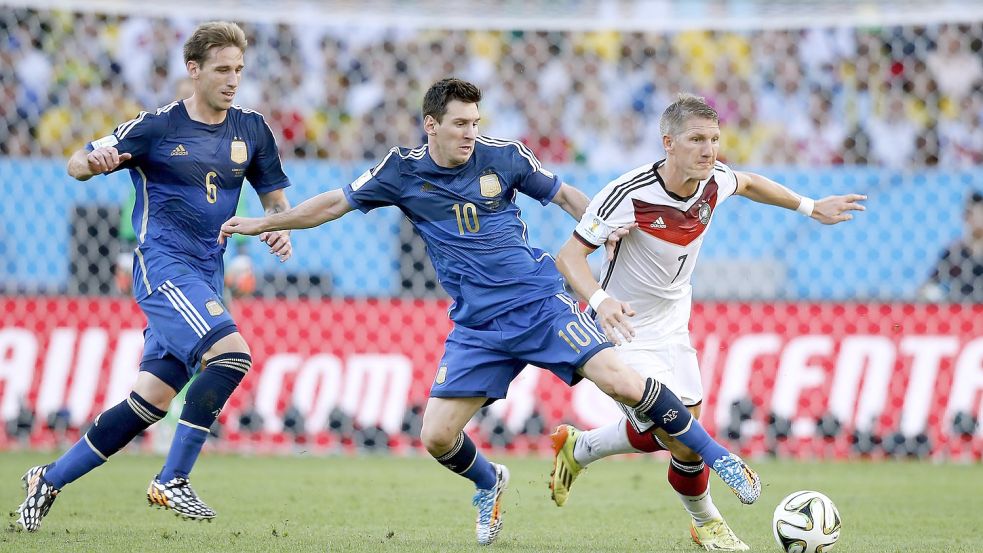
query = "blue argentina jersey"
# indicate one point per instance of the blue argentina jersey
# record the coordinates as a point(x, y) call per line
point(188, 176)
point(468, 218)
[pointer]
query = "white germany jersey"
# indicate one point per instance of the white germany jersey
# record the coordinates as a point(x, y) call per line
point(655, 261)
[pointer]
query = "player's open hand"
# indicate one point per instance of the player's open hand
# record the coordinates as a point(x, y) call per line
point(836, 209)
point(249, 226)
point(613, 316)
point(279, 243)
point(611, 243)
point(103, 160)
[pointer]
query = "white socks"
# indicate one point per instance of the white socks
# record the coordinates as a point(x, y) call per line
point(602, 442)
point(687, 476)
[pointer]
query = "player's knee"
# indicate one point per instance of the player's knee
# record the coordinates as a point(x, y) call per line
point(159, 397)
point(616, 379)
point(233, 343)
point(625, 386)
point(437, 438)
point(154, 392)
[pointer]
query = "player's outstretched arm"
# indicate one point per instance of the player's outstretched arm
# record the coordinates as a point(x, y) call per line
point(611, 313)
point(828, 211)
point(312, 212)
point(571, 200)
point(279, 240)
point(84, 164)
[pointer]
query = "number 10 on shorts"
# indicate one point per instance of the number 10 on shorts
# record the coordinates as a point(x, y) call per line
point(575, 333)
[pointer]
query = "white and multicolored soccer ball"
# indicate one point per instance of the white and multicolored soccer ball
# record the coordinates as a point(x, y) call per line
point(806, 522)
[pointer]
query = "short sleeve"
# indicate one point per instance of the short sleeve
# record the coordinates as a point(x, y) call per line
point(265, 172)
point(606, 212)
point(726, 181)
point(135, 137)
point(531, 179)
point(377, 187)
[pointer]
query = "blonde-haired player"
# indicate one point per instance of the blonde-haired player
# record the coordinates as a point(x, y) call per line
point(643, 301)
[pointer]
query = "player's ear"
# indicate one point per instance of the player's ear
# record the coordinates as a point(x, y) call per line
point(430, 125)
point(666, 142)
point(193, 69)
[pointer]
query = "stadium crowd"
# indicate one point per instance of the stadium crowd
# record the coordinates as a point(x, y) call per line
point(894, 97)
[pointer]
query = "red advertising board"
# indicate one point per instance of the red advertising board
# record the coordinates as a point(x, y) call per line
point(910, 375)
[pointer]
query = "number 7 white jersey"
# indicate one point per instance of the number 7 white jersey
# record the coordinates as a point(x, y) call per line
point(655, 261)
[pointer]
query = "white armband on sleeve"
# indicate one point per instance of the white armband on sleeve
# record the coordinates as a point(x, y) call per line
point(593, 229)
point(105, 142)
point(806, 206)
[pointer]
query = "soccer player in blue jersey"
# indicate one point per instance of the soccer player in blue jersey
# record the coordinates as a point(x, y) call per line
point(187, 161)
point(509, 307)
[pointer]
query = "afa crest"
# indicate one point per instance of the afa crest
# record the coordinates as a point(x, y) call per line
point(490, 185)
point(214, 308)
point(441, 375)
point(239, 152)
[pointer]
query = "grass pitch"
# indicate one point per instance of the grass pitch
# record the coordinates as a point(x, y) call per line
point(388, 504)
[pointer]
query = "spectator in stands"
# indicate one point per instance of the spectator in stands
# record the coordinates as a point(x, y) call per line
point(962, 133)
point(954, 66)
point(883, 83)
point(958, 275)
point(892, 133)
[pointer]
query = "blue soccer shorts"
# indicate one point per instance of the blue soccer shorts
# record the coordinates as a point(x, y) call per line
point(551, 333)
point(185, 317)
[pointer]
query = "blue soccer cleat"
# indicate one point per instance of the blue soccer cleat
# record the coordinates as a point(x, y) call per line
point(743, 481)
point(489, 504)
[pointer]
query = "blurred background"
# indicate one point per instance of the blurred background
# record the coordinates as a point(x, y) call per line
point(864, 339)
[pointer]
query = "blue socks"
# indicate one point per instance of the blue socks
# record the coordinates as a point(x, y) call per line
point(665, 409)
point(111, 430)
point(185, 447)
point(465, 460)
point(202, 404)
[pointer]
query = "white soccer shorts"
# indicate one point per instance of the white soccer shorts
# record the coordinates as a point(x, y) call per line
point(674, 364)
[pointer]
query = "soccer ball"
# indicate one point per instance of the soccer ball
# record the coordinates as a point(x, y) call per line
point(806, 522)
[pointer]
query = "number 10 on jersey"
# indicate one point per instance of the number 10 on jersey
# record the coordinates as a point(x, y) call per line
point(467, 218)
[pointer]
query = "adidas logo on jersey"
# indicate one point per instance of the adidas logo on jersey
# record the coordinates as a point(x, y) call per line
point(658, 223)
point(179, 151)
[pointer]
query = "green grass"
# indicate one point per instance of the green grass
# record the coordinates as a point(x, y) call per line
point(405, 505)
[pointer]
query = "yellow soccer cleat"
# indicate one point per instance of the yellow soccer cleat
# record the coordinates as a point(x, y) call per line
point(716, 536)
point(565, 467)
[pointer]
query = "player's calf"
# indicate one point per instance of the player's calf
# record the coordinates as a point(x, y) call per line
point(667, 412)
point(203, 402)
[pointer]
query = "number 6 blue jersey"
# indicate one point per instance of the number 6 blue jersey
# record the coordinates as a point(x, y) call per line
point(468, 218)
point(188, 176)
